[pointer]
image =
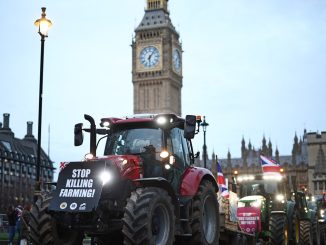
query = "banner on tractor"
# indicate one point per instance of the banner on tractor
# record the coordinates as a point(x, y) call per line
point(249, 219)
point(79, 187)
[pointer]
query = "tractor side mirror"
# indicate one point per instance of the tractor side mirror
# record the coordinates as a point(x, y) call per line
point(79, 137)
point(190, 127)
point(197, 154)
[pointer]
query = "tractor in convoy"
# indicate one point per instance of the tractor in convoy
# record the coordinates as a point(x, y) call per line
point(144, 190)
point(318, 204)
point(268, 209)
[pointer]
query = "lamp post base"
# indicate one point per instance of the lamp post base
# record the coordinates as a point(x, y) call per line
point(37, 190)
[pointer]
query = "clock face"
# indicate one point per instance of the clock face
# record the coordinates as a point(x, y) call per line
point(176, 60)
point(149, 56)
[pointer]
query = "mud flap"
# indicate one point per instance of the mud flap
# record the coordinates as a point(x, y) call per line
point(79, 187)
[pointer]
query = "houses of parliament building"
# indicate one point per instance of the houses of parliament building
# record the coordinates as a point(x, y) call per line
point(306, 165)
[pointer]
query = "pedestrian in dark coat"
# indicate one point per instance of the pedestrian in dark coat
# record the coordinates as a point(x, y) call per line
point(11, 214)
point(25, 229)
point(18, 213)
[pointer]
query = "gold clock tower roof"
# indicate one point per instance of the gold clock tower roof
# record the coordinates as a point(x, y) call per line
point(157, 4)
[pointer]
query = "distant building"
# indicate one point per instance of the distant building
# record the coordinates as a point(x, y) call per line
point(316, 149)
point(18, 165)
point(306, 166)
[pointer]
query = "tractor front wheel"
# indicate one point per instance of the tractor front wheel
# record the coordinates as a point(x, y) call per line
point(149, 218)
point(278, 227)
point(315, 230)
point(305, 232)
point(46, 231)
point(205, 222)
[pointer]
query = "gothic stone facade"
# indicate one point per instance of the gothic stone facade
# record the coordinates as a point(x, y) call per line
point(306, 166)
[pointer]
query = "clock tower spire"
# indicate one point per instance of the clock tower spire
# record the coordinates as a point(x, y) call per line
point(157, 62)
point(157, 4)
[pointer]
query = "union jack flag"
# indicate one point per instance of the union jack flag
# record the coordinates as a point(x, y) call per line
point(221, 182)
point(63, 165)
point(269, 165)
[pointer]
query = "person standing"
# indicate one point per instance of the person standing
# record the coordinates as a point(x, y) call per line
point(24, 227)
point(11, 214)
point(18, 213)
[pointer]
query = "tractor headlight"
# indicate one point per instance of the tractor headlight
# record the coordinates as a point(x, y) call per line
point(280, 198)
point(164, 154)
point(106, 177)
point(161, 120)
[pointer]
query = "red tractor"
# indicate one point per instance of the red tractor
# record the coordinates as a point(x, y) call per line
point(144, 190)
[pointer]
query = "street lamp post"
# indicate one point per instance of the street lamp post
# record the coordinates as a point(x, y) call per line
point(204, 124)
point(43, 25)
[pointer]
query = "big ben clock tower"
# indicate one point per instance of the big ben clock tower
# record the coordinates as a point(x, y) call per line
point(157, 62)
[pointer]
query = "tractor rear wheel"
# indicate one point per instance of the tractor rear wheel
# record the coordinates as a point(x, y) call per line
point(278, 227)
point(44, 228)
point(305, 232)
point(149, 218)
point(205, 223)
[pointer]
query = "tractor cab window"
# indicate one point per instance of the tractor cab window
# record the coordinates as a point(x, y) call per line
point(260, 188)
point(186, 147)
point(177, 144)
point(134, 141)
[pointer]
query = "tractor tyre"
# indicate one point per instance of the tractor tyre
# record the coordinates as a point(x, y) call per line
point(323, 237)
point(149, 218)
point(44, 230)
point(279, 229)
point(205, 222)
point(305, 232)
point(315, 231)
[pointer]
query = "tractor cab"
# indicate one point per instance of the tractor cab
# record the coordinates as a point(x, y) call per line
point(270, 187)
point(159, 144)
point(158, 141)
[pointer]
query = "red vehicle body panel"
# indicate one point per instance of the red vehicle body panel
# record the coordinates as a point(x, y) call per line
point(191, 180)
point(131, 169)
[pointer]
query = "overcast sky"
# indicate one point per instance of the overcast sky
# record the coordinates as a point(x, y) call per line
point(253, 67)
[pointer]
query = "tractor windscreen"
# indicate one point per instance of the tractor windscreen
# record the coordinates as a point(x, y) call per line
point(266, 187)
point(132, 141)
